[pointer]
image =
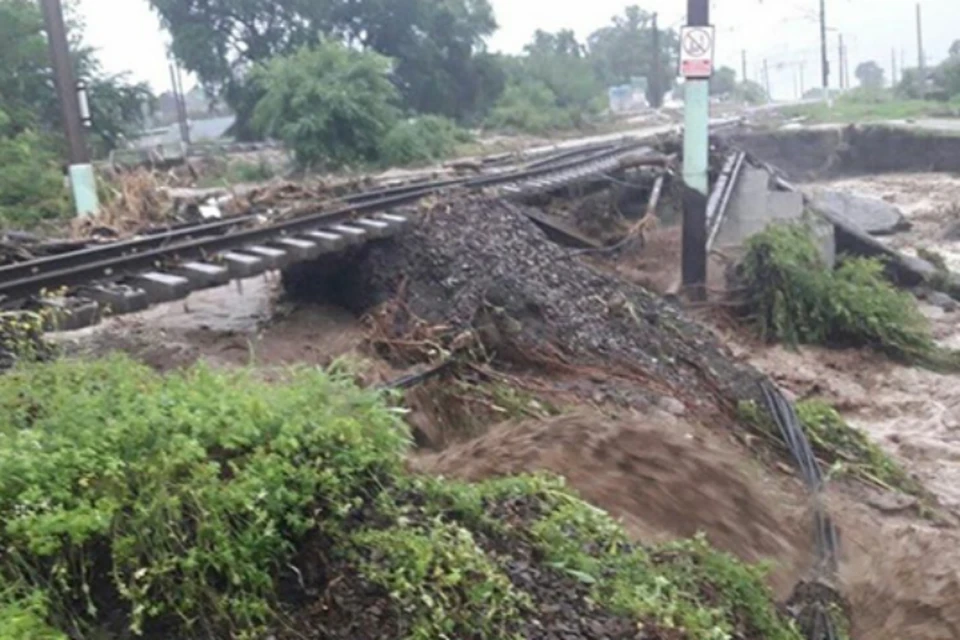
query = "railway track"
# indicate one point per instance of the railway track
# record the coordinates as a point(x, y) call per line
point(78, 288)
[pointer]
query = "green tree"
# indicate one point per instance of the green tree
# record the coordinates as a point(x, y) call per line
point(441, 65)
point(331, 104)
point(870, 75)
point(955, 49)
point(624, 50)
point(723, 82)
point(750, 92)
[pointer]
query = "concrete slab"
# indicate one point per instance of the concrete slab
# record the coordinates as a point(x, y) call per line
point(116, 299)
point(873, 215)
point(162, 287)
point(754, 205)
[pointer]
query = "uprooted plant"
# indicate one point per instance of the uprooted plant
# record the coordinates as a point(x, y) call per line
point(795, 298)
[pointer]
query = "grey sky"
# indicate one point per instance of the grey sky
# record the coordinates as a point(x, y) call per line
point(785, 32)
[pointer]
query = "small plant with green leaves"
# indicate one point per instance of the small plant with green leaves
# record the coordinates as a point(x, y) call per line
point(794, 298)
point(850, 450)
point(847, 449)
point(422, 140)
point(439, 575)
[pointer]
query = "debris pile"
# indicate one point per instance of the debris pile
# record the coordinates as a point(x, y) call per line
point(480, 264)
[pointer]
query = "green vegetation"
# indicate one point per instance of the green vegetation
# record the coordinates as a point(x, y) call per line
point(794, 298)
point(331, 105)
point(847, 449)
point(234, 172)
point(440, 64)
point(863, 105)
point(932, 93)
point(31, 181)
point(423, 140)
point(850, 450)
point(180, 505)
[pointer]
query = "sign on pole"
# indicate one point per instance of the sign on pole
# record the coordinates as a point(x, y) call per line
point(696, 52)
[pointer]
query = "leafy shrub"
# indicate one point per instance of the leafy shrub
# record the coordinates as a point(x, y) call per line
point(422, 140)
point(31, 184)
point(174, 505)
point(332, 105)
point(796, 299)
point(177, 496)
point(529, 108)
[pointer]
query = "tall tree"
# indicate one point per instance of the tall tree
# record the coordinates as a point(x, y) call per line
point(955, 49)
point(723, 82)
point(624, 50)
point(870, 75)
point(437, 45)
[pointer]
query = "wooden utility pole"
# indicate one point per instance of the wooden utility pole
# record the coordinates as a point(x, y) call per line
point(743, 65)
point(82, 178)
point(893, 67)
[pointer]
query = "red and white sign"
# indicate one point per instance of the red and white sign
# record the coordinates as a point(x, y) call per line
point(696, 52)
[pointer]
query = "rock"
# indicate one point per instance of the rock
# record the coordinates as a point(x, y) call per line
point(873, 215)
point(890, 502)
point(943, 301)
point(672, 406)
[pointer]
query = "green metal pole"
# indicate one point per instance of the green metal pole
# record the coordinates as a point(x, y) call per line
point(696, 134)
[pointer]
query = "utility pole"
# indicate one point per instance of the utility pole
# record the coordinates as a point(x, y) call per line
point(803, 84)
point(181, 108)
point(656, 91)
point(743, 65)
point(183, 103)
point(841, 64)
point(83, 182)
point(696, 159)
point(766, 79)
point(921, 63)
point(893, 67)
point(824, 60)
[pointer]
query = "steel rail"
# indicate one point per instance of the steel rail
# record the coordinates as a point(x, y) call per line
point(59, 262)
point(115, 261)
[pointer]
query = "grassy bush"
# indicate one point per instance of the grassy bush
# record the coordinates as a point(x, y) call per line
point(529, 108)
point(850, 450)
point(331, 105)
point(847, 449)
point(178, 506)
point(179, 496)
point(796, 299)
point(422, 140)
point(31, 184)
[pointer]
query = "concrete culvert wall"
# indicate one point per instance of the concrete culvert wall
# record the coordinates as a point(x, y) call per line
point(828, 152)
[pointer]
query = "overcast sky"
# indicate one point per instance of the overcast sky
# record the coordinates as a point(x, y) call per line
point(785, 32)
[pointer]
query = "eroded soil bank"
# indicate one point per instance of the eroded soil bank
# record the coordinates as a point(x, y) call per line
point(823, 152)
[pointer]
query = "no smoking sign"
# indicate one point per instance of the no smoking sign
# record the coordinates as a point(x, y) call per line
point(696, 52)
